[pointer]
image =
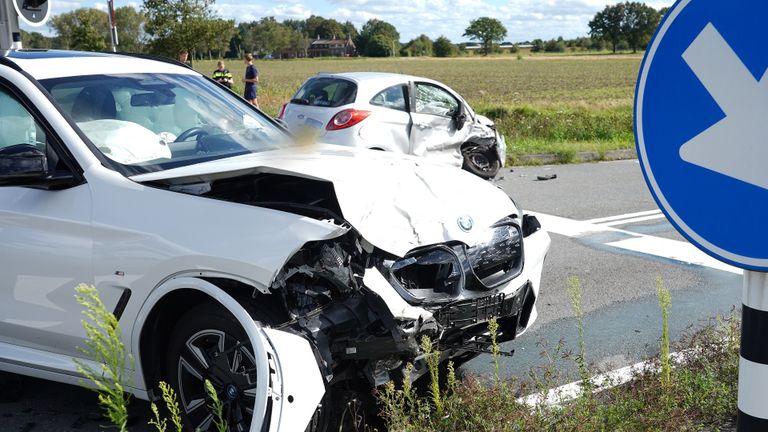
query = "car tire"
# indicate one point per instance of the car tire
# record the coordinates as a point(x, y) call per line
point(482, 162)
point(208, 343)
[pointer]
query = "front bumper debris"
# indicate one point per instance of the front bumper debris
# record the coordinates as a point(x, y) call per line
point(464, 313)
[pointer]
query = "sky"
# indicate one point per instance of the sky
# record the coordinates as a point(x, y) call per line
point(524, 19)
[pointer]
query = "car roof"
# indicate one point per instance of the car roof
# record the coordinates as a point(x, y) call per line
point(371, 83)
point(45, 64)
point(377, 77)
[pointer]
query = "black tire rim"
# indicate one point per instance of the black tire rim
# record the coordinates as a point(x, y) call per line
point(230, 367)
point(480, 160)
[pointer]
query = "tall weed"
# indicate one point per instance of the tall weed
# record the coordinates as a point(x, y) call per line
point(104, 345)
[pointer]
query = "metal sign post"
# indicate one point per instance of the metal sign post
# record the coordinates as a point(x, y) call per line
point(753, 364)
point(702, 139)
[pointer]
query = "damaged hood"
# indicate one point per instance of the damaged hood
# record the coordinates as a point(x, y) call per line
point(397, 203)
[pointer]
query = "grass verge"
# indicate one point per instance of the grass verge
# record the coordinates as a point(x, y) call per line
point(562, 132)
point(696, 393)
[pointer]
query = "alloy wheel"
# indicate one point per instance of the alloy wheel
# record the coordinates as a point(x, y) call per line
point(229, 365)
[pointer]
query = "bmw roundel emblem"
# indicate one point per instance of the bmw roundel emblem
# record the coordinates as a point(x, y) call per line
point(465, 223)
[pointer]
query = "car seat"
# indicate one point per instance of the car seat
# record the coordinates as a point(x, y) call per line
point(322, 99)
point(94, 103)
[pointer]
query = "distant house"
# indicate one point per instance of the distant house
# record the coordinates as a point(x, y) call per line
point(331, 47)
point(525, 48)
point(502, 47)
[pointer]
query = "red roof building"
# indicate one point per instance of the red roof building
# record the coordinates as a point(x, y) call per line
point(331, 48)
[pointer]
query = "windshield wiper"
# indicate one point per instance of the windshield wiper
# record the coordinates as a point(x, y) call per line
point(299, 101)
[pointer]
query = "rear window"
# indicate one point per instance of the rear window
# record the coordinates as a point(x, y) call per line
point(326, 92)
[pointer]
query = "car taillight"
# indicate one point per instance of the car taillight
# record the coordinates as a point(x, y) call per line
point(347, 118)
point(282, 111)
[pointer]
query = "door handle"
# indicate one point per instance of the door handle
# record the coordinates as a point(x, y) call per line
point(421, 125)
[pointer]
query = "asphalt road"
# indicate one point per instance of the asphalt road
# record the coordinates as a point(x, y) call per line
point(622, 319)
point(617, 258)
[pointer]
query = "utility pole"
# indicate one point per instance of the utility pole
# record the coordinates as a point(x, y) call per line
point(112, 24)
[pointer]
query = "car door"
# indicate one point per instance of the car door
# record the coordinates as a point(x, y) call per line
point(434, 131)
point(45, 244)
point(388, 127)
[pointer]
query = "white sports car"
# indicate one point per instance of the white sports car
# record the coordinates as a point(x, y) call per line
point(398, 113)
point(289, 277)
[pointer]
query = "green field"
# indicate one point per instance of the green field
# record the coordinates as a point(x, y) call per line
point(557, 104)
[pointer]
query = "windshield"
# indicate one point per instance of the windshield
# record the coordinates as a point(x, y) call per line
point(153, 122)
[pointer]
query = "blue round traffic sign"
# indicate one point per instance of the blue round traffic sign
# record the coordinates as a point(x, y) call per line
point(701, 126)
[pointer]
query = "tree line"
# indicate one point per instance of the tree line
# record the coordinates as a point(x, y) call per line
point(167, 26)
point(629, 23)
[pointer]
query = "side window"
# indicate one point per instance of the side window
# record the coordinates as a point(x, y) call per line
point(392, 98)
point(17, 126)
point(431, 99)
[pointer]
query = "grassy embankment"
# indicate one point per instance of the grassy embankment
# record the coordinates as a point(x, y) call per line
point(695, 392)
point(542, 104)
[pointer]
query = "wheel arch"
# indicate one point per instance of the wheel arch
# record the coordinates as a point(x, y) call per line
point(167, 303)
point(287, 376)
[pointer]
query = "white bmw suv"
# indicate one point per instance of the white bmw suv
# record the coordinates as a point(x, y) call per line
point(290, 277)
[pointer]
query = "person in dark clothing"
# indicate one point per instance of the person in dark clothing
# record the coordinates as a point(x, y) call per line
point(222, 75)
point(184, 58)
point(251, 80)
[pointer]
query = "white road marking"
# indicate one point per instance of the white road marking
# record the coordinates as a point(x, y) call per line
point(676, 250)
point(571, 227)
point(601, 382)
point(634, 220)
point(624, 216)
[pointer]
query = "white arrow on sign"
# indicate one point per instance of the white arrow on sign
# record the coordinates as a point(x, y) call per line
point(737, 146)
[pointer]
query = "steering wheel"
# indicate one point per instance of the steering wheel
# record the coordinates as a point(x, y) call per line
point(191, 132)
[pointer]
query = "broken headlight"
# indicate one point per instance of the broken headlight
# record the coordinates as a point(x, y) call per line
point(441, 273)
point(431, 274)
point(494, 259)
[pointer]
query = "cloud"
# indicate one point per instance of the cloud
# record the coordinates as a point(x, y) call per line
point(524, 19)
point(242, 11)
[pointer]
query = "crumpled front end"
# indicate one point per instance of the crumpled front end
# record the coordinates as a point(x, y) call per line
point(366, 311)
point(422, 250)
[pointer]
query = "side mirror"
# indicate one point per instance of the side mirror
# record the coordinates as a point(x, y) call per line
point(22, 165)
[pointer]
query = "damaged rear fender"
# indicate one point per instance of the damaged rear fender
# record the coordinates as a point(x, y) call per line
point(286, 370)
